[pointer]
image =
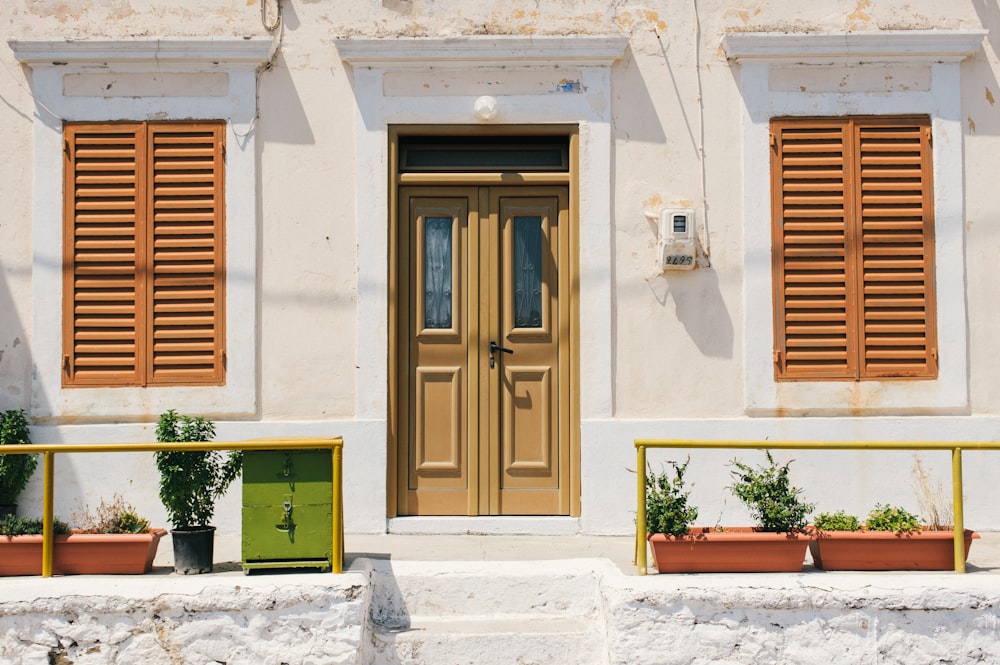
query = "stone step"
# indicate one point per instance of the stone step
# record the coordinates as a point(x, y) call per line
point(491, 640)
point(402, 590)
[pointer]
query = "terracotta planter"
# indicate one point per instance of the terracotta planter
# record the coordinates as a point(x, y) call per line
point(885, 550)
point(82, 554)
point(732, 550)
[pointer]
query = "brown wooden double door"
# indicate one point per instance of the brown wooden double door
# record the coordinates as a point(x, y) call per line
point(483, 357)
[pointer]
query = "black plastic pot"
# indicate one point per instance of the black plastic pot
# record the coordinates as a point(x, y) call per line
point(193, 549)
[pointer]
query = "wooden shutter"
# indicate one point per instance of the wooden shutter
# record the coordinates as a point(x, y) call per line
point(895, 211)
point(853, 248)
point(186, 250)
point(813, 286)
point(144, 276)
point(103, 255)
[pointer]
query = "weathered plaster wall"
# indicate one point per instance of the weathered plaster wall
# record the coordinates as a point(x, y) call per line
point(677, 342)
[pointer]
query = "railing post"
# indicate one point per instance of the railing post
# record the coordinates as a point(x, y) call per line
point(47, 509)
point(640, 512)
point(337, 551)
point(959, 516)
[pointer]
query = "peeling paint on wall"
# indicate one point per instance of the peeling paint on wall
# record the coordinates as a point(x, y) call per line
point(989, 97)
point(742, 14)
point(860, 17)
point(566, 85)
point(629, 19)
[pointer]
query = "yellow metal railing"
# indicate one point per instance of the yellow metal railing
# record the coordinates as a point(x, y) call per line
point(49, 451)
point(956, 474)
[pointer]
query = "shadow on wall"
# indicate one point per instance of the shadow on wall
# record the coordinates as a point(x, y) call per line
point(15, 356)
point(280, 104)
point(700, 308)
point(981, 106)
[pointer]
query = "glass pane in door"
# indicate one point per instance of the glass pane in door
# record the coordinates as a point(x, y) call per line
point(528, 272)
point(437, 272)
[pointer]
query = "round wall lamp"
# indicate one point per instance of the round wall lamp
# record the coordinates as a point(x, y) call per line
point(485, 107)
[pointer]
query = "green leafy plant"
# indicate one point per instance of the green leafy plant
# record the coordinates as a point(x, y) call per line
point(838, 521)
point(892, 518)
point(28, 526)
point(667, 509)
point(15, 470)
point(767, 492)
point(118, 516)
point(191, 481)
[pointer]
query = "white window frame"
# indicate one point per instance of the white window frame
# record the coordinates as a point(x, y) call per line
point(52, 62)
point(934, 57)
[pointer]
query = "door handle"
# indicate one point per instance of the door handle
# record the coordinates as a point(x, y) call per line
point(494, 347)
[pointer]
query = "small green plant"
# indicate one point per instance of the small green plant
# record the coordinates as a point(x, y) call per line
point(28, 526)
point(191, 481)
point(767, 492)
point(667, 509)
point(892, 518)
point(15, 470)
point(118, 516)
point(838, 521)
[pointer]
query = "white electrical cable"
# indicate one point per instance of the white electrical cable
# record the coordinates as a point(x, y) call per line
point(277, 15)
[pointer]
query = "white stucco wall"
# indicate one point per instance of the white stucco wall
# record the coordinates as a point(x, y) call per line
point(663, 354)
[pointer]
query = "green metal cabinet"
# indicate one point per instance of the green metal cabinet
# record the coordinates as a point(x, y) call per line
point(287, 519)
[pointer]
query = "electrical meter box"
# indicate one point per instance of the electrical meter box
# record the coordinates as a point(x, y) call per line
point(287, 513)
point(678, 250)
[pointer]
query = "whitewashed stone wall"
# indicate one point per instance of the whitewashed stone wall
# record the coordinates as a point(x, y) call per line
point(811, 618)
point(456, 613)
point(158, 620)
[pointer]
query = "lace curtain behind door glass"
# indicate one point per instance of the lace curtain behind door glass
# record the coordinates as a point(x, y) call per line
point(528, 272)
point(437, 272)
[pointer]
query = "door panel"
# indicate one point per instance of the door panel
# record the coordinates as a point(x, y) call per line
point(482, 431)
point(530, 461)
point(438, 441)
point(433, 399)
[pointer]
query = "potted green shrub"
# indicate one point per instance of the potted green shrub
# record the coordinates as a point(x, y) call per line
point(114, 540)
point(777, 544)
point(892, 538)
point(15, 470)
point(190, 483)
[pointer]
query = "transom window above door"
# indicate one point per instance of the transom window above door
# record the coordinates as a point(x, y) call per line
point(484, 153)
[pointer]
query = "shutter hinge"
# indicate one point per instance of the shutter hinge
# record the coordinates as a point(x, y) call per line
point(929, 136)
point(777, 357)
point(773, 140)
point(67, 149)
point(934, 354)
point(223, 148)
point(67, 365)
point(223, 358)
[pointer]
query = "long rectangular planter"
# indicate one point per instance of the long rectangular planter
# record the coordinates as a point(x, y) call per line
point(731, 550)
point(886, 550)
point(82, 554)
